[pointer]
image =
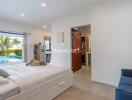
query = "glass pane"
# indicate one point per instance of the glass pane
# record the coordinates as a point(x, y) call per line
point(3, 47)
point(11, 48)
point(47, 45)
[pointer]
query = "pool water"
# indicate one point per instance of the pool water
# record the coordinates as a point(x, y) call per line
point(6, 59)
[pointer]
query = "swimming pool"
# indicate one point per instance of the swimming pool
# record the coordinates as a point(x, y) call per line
point(6, 59)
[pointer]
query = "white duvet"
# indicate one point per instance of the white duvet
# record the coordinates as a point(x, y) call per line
point(28, 77)
point(6, 85)
point(8, 88)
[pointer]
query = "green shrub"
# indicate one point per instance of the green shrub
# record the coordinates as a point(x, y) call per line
point(2, 52)
point(18, 52)
point(6, 52)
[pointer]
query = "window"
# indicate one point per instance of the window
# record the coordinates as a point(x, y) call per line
point(11, 47)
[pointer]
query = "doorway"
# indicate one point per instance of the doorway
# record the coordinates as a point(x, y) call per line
point(81, 46)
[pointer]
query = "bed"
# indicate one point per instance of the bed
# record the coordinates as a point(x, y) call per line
point(7, 88)
point(38, 83)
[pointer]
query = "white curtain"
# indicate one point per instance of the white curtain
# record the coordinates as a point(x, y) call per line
point(25, 53)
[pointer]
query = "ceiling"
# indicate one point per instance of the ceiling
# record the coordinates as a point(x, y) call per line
point(36, 15)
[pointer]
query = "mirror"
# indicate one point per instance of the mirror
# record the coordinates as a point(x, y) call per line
point(47, 43)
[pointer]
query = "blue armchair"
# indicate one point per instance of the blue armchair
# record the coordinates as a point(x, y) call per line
point(124, 90)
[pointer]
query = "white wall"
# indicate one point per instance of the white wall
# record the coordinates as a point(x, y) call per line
point(111, 39)
point(34, 35)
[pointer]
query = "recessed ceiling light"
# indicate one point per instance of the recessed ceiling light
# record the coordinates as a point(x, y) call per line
point(45, 27)
point(22, 15)
point(43, 4)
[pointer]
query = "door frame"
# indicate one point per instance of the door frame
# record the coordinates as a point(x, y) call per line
point(90, 43)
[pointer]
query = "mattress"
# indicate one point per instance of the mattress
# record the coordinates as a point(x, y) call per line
point(8, 90)
point(28, 77)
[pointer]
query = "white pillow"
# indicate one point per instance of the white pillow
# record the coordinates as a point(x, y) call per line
point(3, 81)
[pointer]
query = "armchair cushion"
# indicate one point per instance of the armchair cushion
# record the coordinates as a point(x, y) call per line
point(125, 81)
point(126, 88)
point(123, 95)
point(126, 72)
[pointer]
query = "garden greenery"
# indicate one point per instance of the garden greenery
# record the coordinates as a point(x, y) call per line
point(6, 43)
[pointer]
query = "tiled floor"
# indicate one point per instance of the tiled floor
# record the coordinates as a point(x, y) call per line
point(85, 89)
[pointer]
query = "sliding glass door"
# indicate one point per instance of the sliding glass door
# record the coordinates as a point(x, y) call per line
point(11, 47)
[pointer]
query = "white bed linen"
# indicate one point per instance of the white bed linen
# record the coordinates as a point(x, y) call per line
point(28, 77)
point(9, 89)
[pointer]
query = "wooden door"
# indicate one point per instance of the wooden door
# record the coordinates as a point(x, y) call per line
point(76, 53)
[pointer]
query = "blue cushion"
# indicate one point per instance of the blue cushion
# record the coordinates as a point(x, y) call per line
point(125, 80)
point(127, 72)
point(123, 95)
point(124, 90)
point(127, 88)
